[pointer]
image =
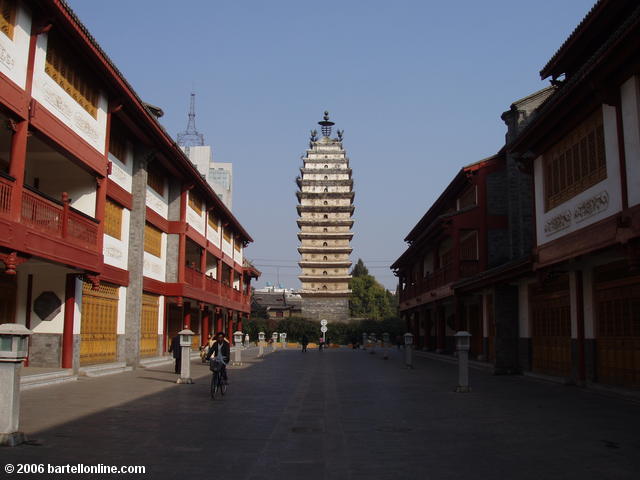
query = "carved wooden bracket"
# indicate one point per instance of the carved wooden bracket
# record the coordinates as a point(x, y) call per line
point(12, 261)
point(94, 279)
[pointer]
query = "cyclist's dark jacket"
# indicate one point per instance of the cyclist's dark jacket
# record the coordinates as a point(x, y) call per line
point(226, 351)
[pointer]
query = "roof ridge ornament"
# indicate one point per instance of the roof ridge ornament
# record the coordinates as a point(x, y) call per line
point(326, 125)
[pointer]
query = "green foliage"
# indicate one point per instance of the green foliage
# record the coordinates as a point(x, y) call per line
point(369, 299)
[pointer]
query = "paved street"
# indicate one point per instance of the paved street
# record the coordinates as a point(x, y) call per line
point(338, 414)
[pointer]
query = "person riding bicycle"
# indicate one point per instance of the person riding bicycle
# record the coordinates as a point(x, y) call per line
point(221, 350)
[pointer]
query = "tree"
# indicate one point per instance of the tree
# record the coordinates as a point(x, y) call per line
point(369, 299)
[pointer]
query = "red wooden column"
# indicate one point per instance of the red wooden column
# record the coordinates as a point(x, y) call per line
point(203, 264)
point(18, 157)
point(239, 328)
point(186, 322)
point(580, 330)
point(230, 326)
point(219, 325)
point(206, 325)
point(69, 311)
point(440, 329)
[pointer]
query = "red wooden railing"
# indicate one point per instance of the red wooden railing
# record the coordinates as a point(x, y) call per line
point(212, 285)
point(468, 268)
point(58, 218)
point(437, 278)
point(6, 187)
point(193, 277)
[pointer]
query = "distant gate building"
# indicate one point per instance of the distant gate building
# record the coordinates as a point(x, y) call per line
point(325, 207)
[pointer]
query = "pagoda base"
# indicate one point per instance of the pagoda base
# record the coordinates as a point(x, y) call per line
point(331, 309)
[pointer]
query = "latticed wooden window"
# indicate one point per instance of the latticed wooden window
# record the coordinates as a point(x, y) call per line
point(7, 17)
point(113, 219)
point(152, 240)
point(213, 221)
point(468, 198)
point(195, 202)
point(237, 245)
point(118, 146)
point(69, 73)
point(149, 325)
point(576, 163)
point(469, 246)
point(155, 180)
point(226, 233)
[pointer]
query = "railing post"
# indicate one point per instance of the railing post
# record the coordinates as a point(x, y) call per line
point(65, 213)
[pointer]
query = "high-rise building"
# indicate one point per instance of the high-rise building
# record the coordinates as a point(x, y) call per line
point(325, 207)
point(218, 174)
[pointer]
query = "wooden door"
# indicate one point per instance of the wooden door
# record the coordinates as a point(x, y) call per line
point(98, 338)
point(149, 325)
point(617, 307)
point(551, 328)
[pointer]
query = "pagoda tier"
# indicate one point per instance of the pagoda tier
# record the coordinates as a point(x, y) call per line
point(325, 206)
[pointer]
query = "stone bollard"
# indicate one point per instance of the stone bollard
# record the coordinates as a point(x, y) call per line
point(283, 340)
point(462, 347)
point(408, 350)
point(247, 340)
point(261, 344)
point(274, 343)
point(237, 352)
point(185, 359)
point(14, 348)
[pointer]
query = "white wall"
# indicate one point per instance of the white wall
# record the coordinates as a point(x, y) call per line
point(121, 173)
point(630, 93)
point(14, 53)
point(155, 267)
point(116, 251)
point(214, 236)
point(158, 203)
point(64, 107)
point(195, 220)
point(608, 189)
point(226, 247)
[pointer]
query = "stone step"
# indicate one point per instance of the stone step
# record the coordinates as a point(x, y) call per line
point(28, 382)
point(104, 369)
point(151, 362)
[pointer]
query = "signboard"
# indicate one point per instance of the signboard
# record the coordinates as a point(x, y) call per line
point(323, 322)
point(323, 329)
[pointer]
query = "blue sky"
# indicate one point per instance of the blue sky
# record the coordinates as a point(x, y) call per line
point(418, 87)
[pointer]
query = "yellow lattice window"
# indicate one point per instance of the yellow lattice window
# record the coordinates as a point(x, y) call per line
point(226, 233)
point(152, 240)
point(195, 202)
point(69, 73)
point(576, 163)
point(113, 219)
point(149, 325)
point(237, 245)
point(118, 146)
point(7, 17)
point(155, 180)
point(213, 221)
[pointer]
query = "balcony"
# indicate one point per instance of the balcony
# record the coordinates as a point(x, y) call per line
point(193, 277)
point(6, 188)
point(441, 277)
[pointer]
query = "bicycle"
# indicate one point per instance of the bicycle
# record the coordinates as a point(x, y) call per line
point(217, 383)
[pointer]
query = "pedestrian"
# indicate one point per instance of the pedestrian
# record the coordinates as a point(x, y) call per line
point(205, 348)
point(221, 348)
point(305, 342)
point(177, 352)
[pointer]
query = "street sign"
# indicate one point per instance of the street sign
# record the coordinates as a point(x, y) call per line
point(323, 322)
point(323, 329)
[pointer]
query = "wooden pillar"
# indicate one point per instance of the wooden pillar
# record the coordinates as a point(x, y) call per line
point(219, 325)
point(580, 327)
point(69, 311)
point(186, 322)
point(230, 326)
point(203, 263)
point(440, 329)
point(206, 326)
point(18, 159)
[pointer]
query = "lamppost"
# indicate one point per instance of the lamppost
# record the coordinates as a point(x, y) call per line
point(274, 338)
point(283, 339)
point(247, 339)
point(14, 348)
point(237, 351)
point(261, 343)
point(185, 358)
point(408, 350)
point(462, 347)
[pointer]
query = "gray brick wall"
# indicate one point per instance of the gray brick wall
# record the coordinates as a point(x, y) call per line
point(330, 309)
point(498, 247)
point(497, 193)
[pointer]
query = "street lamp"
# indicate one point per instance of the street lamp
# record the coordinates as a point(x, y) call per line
point(185, 359)
point(14, 348)
point(283, 340)
point(274, 338)
point(261, 343)
point(237, 350)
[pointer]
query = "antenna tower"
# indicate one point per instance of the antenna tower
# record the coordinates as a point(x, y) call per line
point(191, 137)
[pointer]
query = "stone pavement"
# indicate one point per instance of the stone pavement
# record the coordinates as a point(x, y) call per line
point(337, 414)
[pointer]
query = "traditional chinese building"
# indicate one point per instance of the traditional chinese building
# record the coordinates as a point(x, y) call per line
point(325, 208)
point(110, 239)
